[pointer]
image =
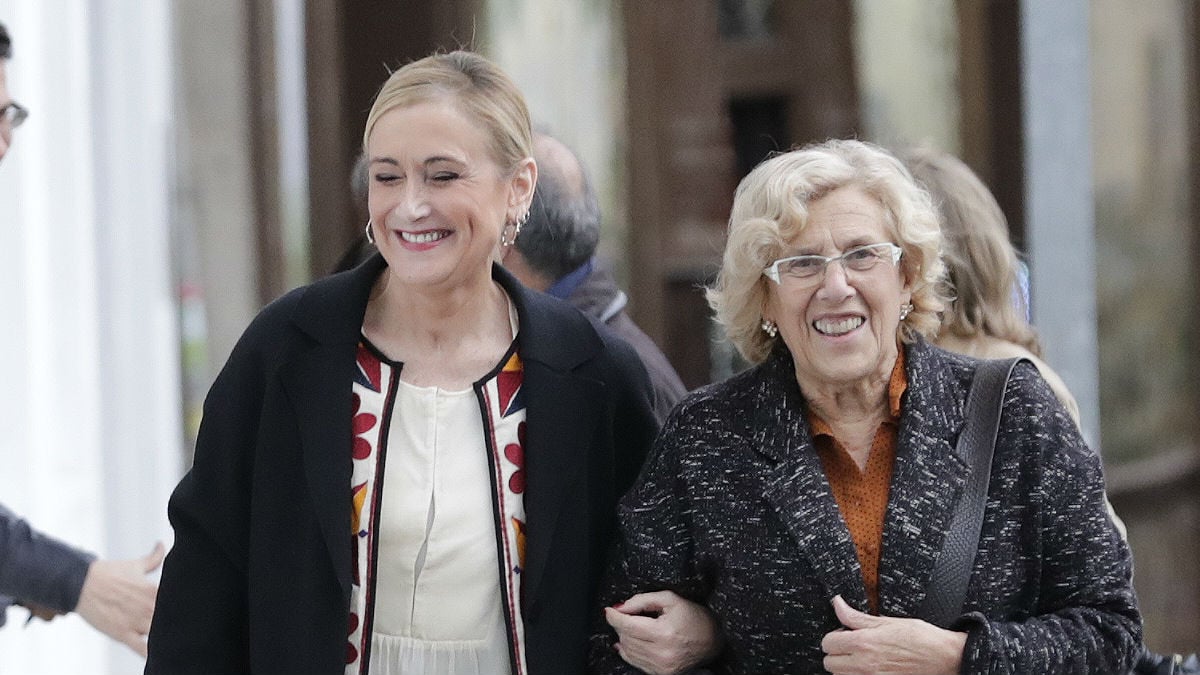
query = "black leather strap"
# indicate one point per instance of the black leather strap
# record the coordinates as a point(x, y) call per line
point(952, 570)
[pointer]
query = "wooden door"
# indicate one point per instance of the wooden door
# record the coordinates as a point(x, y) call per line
point(713, 87)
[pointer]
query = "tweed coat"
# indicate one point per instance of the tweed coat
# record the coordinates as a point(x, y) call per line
point(258, 580)
point(733, 510)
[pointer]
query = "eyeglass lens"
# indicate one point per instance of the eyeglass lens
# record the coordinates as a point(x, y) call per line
point(14, 114)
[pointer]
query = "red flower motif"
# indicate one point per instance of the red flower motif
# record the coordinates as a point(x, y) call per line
point(363, 422)
point(515, 453)
point(351, 650)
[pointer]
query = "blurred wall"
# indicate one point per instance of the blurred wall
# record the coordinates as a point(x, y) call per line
point(1146, 132)
point(568, 59)
point(907, 57)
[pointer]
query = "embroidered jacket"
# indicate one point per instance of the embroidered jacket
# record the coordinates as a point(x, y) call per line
point(502, 427)
point(734, 511)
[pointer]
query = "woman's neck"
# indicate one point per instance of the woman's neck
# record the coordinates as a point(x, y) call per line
point(853, 414)
point(842, 405)
point(853, 409)
point(414, 324)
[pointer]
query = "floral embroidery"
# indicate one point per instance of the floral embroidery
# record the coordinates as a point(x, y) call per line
point(504, 428)
point(515, 453)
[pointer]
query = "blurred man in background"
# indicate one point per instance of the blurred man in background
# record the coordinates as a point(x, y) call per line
point(556, 254)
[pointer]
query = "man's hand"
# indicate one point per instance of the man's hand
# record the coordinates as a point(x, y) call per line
point(118, 600)
point(880, 645)
point(660, 633)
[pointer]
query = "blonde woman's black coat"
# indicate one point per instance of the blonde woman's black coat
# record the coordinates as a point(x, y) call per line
point(734, 511)
point(258, 580)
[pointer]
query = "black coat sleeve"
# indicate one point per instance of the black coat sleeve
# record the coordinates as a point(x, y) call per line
point(200, 619)
point(635, 421)
point(39, 569)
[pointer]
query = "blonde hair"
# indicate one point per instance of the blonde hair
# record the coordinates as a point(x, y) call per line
point(479, 87)
point(770, 208)
point(981, 259)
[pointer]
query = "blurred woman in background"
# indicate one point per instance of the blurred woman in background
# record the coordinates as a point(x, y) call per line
point(987, 317)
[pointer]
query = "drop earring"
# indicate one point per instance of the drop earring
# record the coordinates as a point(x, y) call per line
point(370, 233)
point(770, 328)
point(516, 226)
point(905, 310)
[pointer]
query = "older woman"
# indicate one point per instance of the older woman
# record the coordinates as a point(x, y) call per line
point(805, 500)
point(412, 466)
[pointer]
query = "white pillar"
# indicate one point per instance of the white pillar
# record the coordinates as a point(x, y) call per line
point(141, 423)
point(89, 384)
point(1059, 203)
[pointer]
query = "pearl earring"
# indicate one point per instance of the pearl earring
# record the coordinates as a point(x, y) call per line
point(770, 328)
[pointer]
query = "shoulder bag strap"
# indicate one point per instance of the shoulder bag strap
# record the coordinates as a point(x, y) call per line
point(948, 585)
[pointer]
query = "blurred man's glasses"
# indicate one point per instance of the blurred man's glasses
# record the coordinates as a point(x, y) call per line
point(13, 114)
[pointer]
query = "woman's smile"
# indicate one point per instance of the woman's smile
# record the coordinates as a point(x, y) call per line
point(837, 326)
point(423, 240)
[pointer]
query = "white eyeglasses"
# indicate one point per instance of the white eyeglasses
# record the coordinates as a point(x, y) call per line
point(809, 270)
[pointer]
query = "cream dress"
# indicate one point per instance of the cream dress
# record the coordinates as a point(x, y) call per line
point(432, 594)
point(438, 607)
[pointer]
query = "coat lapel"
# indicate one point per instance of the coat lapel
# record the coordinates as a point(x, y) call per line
point(796, 486)
point(318, 383)
point(927, 481)
point(563, 422)
point(563, 414)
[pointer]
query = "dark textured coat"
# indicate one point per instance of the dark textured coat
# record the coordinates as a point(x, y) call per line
point(258, 580)
point(734, 511)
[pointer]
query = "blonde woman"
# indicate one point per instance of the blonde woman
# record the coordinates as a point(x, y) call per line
point(412, 466)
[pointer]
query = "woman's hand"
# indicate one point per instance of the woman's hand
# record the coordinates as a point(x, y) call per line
point(661, 633)
point(881, 645)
